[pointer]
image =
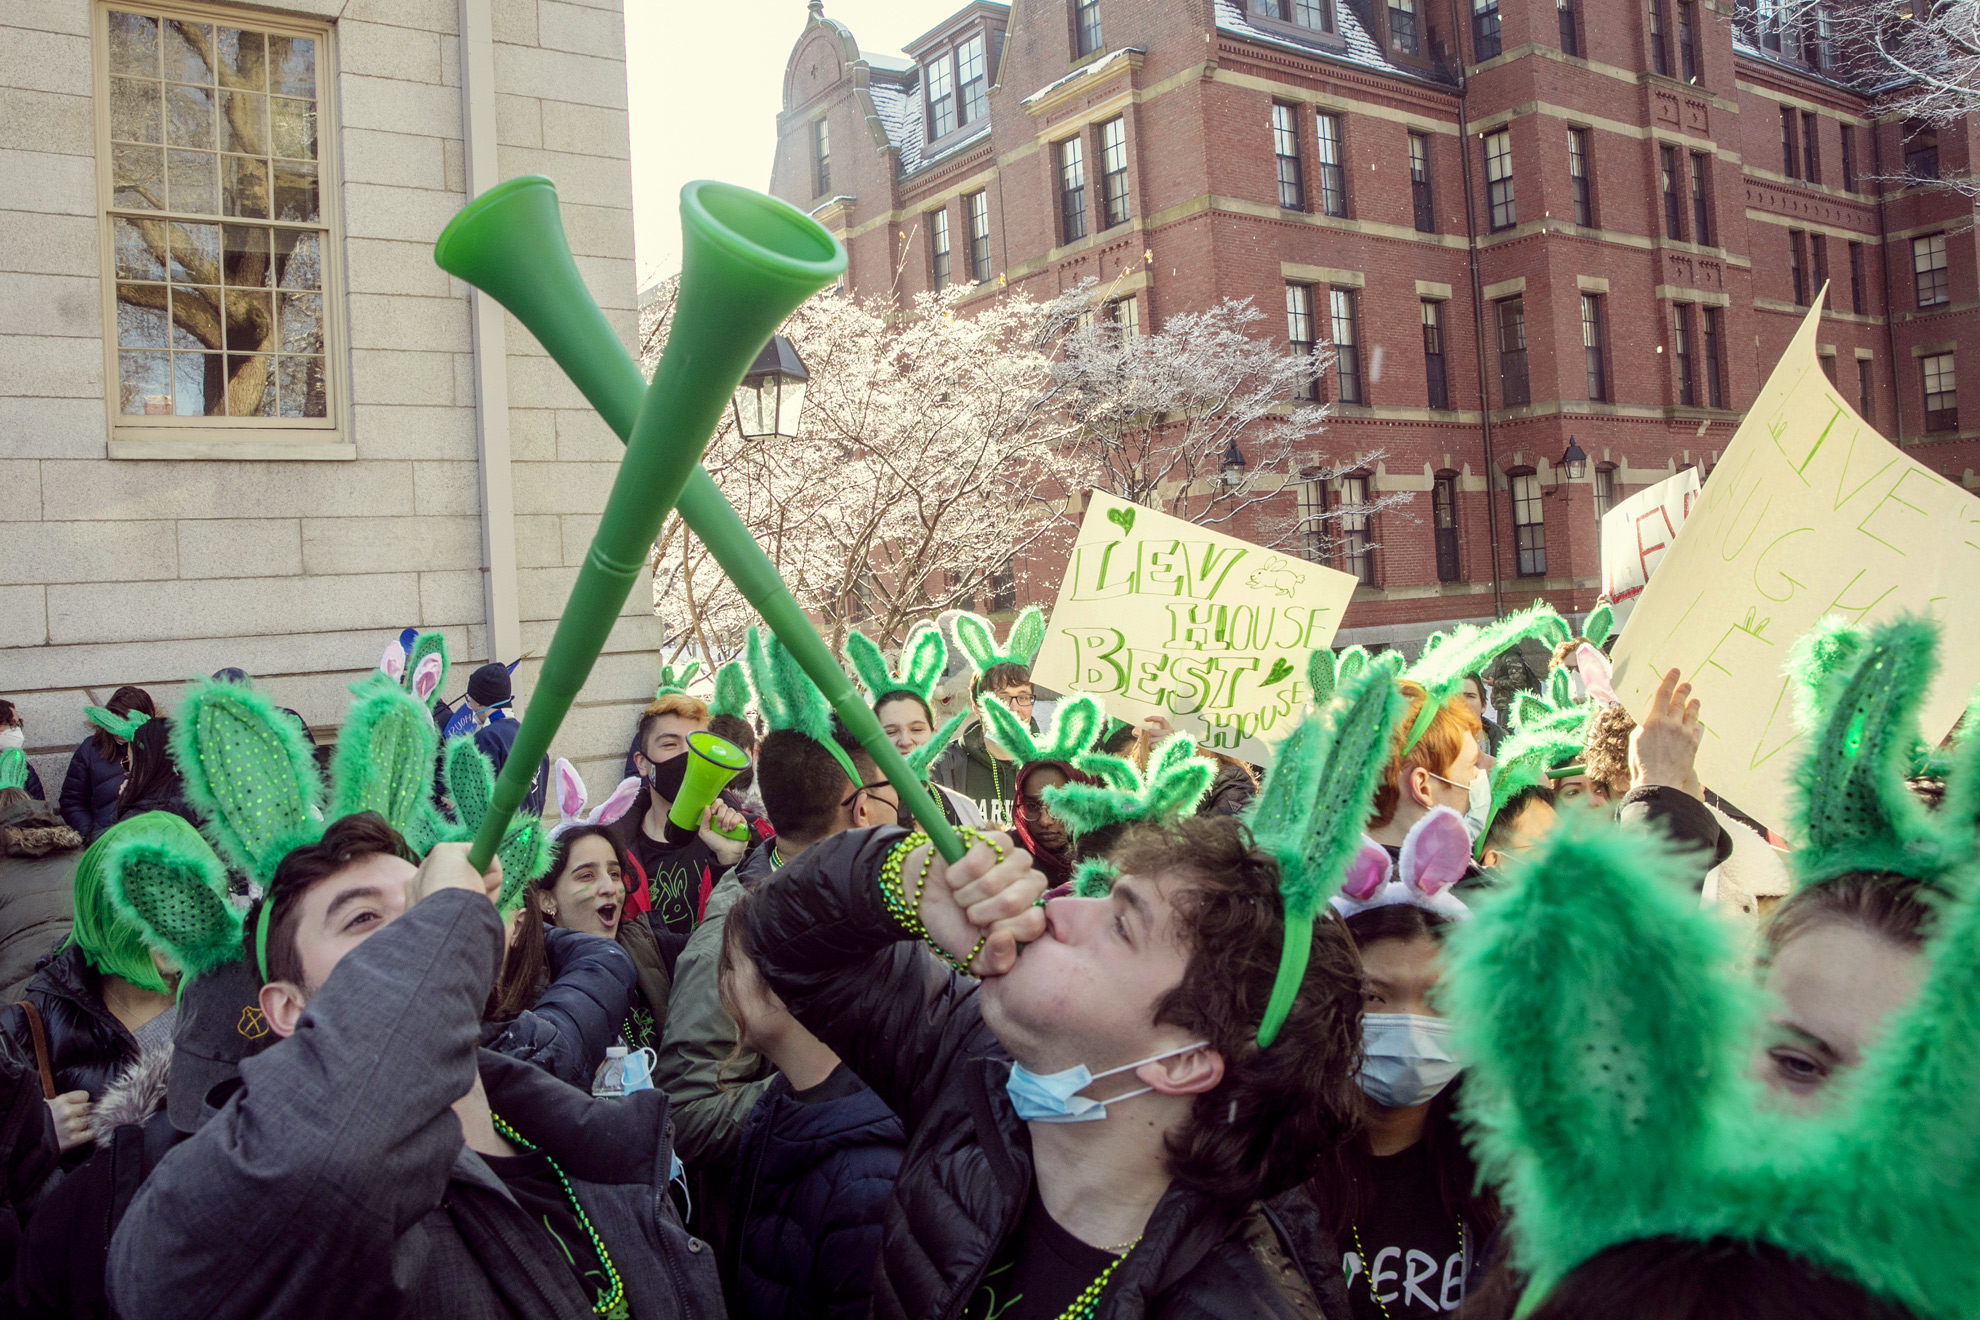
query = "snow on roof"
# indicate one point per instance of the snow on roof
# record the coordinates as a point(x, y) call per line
point(891, 63)
point(1094, 67)
point(1361, 48)
point(901, 116)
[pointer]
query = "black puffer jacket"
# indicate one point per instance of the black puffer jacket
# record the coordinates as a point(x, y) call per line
point(87, 1047)
point(914, 1032)
point(89, 791)
point(567, 1031)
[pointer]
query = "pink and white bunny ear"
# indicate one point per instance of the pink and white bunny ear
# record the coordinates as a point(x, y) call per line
point(618, 804)
point(1436, 853)
point(1367, 872)
point(570, 794)
point(393, 662)
point(1595, 673)
point(426, 678)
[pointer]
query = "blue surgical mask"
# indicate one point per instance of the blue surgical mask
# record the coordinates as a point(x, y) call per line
point(1407, 1058)
point(1055, 1098)
point(639, 1070)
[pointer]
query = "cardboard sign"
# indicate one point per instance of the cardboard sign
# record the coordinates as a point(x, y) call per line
point(1638, 532)
point(1159, 616)
point(1809, 513)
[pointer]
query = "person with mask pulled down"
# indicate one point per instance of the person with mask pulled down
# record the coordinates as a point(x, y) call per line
point(676, 869)
point(1444, 768)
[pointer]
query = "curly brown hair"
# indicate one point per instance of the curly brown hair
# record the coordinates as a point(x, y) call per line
point(1277, 1111)
point(1606, 749)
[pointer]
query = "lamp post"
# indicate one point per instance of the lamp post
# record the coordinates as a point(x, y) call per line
point(1575, 460)
point(1231, 464)
point(771, 396)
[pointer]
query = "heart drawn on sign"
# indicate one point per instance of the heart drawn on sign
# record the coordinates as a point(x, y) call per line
point(1122, 518)
point(1281, 669)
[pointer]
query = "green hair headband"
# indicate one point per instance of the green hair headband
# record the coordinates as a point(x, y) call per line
point(1076, 725)
point(978, 640)
point(13, 769)
point(1312, 810)
point(923, 658)
point(673, 682)
point(117, 726)
point(1448, 657)
point(1176, 780)
point(789, 700)
point(732, 695)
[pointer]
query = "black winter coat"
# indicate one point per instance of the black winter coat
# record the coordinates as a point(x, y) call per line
point(573, 1022)
point(915, 1033)
point(87, 1047)
point(89, 791)
point(812, 1179)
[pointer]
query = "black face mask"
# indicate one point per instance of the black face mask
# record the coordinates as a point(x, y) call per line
point(666, 777)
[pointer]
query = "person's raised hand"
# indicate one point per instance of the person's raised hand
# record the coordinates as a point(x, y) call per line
point(1664, 748)
point(977, 897)
point(721, 816)
point(446, 867)
point(71, 1113)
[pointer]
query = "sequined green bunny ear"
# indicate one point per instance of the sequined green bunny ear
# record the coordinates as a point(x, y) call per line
point(673, 682)
point(1312, 823)
point(1853, 809)
point(923, 659)
point(1077, 723)
point(1449, 657)
point(978, 640)
point(1351, 662)
point(165, 878)
point(1176, 780)
point(1597, 626)
point(117, 726)
point(787, 698)
point(1523, 761)
point(1322, 672)
point(524, 849)
point(384, 758)
point(732, 696)
point(248, 774)
point(13, 769)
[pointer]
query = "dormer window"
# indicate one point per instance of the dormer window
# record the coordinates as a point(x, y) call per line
point(958, 88)
point(1315, 14)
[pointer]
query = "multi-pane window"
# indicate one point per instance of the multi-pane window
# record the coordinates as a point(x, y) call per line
point(1865, 371)
point(1581, 171)
point(1444, 520)
point(1510, 315)
point(1285, 153)
point(1402, 27)
point(1818, 251)
point(1499, 179)
point(1484, 29)
point(1681, 354)
point(1790, 158)
point(1856, 278)
point(1660, 51)
point(1114, 172)
point(1529, 524)
point(216, 218)
point(1086, 24)
point(1347, 345)
point(1667, 174)
point(942, 95)
point(1419, 183)
point(1921, 151)
point(1701, 194)
point(1811, 147)
point(976, 207)
point(1605, 491)
point(1823, 54)
point(1715, 370)
point(1769, 23)
point(1433, 354)
point(1311, 498)
point(961, 68)
point(1315, 14)
point(1570, 34)
point(1357, 531)
point(821, 157)
point(1941, 397)
point(1798, 266)
point(1333, 181)
point(1299, 331)
point(1928, 270)
point(1125, 314)
point(938, 246)
point(1072, 189)
point(972, 75)
point(1591, 347)
point(1687, 40)
point(1849, 157)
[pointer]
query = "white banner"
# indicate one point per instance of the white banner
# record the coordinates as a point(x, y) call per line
point(1637, 533)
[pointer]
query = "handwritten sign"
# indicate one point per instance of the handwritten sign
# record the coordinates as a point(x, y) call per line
point(1638, 532)
point(1159, 616)
point(1809, 513)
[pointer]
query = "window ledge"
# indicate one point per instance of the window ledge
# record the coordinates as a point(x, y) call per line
point(208, 446)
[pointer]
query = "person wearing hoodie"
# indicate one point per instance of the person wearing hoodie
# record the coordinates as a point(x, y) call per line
point(815, 1165)
point(96, 770)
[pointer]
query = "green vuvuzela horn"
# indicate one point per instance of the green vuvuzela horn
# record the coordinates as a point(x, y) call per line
point(525, 264)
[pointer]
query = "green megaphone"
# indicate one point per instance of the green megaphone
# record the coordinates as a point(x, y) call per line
point(712, 763)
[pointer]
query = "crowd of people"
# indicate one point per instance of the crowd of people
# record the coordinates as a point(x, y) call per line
point(1474, 1002)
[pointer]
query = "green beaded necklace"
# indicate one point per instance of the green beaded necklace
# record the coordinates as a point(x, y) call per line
point(613, 1304)
point(1087, 1303)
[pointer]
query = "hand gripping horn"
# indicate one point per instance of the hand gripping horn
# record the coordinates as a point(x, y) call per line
point(749, 261)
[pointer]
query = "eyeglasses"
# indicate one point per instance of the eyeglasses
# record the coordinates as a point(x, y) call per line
point(1014, 700)
point(870, 790)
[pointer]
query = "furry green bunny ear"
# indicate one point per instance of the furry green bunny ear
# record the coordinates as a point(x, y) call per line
point(426, 667)
point(1349, 663)
point(1442, 667)
point(869, 664)
point(732, 694)
point(1176, 780)
point(117, 726)
point(1094, 878)
point(1595, 628)
point(1521, 762)
point(13, 769)
point(1026, 637)
point(787, 698)
point(384, 759)
point(165, 879)
point(676, 682)
point(1077, 722)
point(922, 759)
point(1321, 675)
point(924, 659)
point(248, 773)
point(978, 640)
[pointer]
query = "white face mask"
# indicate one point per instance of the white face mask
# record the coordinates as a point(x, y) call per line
point(1478, 801)
point(12, 738)
point(1406, 1058)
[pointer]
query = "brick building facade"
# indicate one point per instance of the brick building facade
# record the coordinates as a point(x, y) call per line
point(1521, 222)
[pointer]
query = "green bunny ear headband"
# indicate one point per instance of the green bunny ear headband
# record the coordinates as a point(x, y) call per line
point(1609, 1093)
point(922, 759)
point(384, 758)
point(13, 769)
point(1523, 760)
point(1448, 657)
point(1313, 807)
point(1176, 780)
point(524, 850)
point(248, 774)
point(1077, 723)
point(732, 695)
point(978, 640)
point(165, 880)
point(923, 659)
point(676, 682)
point(117, 726)
point(789, 700)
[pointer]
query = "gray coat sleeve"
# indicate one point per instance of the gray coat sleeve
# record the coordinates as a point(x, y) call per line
point(301, 1197)
point(695, 1053)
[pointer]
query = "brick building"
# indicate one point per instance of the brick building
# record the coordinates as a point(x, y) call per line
point(1521, 221)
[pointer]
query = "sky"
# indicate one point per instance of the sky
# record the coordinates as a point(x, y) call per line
point(705, 80)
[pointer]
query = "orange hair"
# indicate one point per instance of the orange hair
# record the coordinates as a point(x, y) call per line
point(1439, 747)
point(674, 703)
